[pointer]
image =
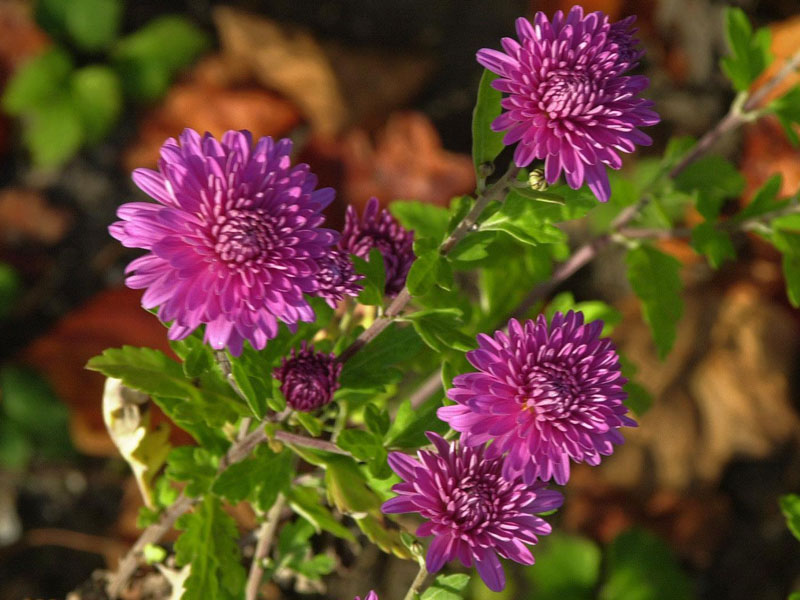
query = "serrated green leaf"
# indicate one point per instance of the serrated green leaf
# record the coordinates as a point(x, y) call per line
point(209, 543)
point(97, 94)
point(655, 278)
point(259, 478)
point(371, 366)
point(566, 567)
point(486, 144)
point(750, 52)
point(361, 444)
point(439, 328)
point(36, 82)
point(787, 109)
point(93, 25)
point(473, 247)
point(641, 567)
point(711, 179)
point(424, 272)
point(196, 466)
point(148, 58)
point(790, 506)
point(305, 502)
point(715, 244)
point(425, 219)
point(447, 587)
point(765, 200)
point(374, 282)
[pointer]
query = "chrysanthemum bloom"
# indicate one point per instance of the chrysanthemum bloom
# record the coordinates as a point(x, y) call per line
point(474, 511)
point(234, 239)
point(569, 101)
point(379, 229)
point(337, 277)
point(545, 395)
point(308, 378)
point(371, 596)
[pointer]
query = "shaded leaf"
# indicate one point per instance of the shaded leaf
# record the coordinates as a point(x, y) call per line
point(486, 144)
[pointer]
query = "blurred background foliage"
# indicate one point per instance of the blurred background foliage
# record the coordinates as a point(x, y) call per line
point(377, 97)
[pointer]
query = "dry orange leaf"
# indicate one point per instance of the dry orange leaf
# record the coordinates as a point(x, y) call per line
point(26, 216)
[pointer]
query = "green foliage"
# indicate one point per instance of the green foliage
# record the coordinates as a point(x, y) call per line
point(655, 278)
point(195, 466)
point(447, 587)
point(566, 567)
point(259, 478)
point(374, 281)
point(427, 269)
point(438, 328)
point(788, 243)
point(592, 310)
point(373, 367)
point(32, 419)
point(9, 289)
point(304, 500)
point(750, 53)
point(347, 488)
point(765, 201)
point(367, 446)
point(209, 543)
point(37, 82)
point(639, 399)
point(425, 219)
point(715, 244)
point(93, 25)
point(641, 567)
point(97, 95)
point(486, 144)
point(711, 180)
point(150, 57)
point(154, 554)
point(409, 425)
point(790, 506)
point(787, 109)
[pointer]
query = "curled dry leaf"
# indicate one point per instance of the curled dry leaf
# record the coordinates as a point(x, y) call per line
point(110, 319)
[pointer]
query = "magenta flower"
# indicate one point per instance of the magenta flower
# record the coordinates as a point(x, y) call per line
point(379, 229)
point(371, 596)
point(234, 238)
point(308, 378)
point(568, 100)
point(337, 277)
point(544, 395)
point(474, 512)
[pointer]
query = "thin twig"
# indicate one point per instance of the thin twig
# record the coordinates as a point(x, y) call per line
point(493, 192)
point(266, 534)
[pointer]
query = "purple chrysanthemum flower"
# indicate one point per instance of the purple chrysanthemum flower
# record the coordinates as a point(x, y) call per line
point(628, 51)
point(546, 395)
point(337, 277)
point(379, 229)
point(234, 239)
point(474, 511)
point(569, 102)
point(308, 378)
point(371, 596)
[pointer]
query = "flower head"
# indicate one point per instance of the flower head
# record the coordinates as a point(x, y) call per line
point(308, 378)
point(543, 394)
point(371, 596)
point(234, 237)
point(474, 511)
point(379, 229)
point(568, 100)
point(337, 277)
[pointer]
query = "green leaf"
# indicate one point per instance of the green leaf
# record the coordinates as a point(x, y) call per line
point(486, 144)
point(376, 419)
point(641, 567)
point(209, 543)
point(305, 502)
point(409, 425)
point(54, 132)
point(153, 373)
point(765, 201)
point(16, 449)
point(37, 82)
point(309, 422)
point(93, 24)
point(425, 219)
point(654, 277)
point(473, 247)
point(716, 245)
point(750, 53)
point(154, 554)
point(9, 288)
point(372, 366)
point(790, 506)
point(347, 487)
point(447, 587)
point(259, 478)
point(566, 567)
point(459, 208)
point(374, 281)
point(361, 444)
point(788, 244)
point(197, 466)
point(787, 109)
point(438, 327)
point(97, 94)
point(712, 179)
point(424, 272)
point(148, 58)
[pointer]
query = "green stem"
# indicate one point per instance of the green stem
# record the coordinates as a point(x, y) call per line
point(419, 580)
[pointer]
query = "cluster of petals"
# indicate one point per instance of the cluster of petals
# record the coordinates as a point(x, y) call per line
point(234, 237)
point(474, 511)
point(370, 596)
point(569, 100)
point(308, 378)
point(544, 395)
point(379, 229)
point(337, 277)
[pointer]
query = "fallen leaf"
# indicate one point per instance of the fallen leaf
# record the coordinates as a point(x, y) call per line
point(26, 216)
